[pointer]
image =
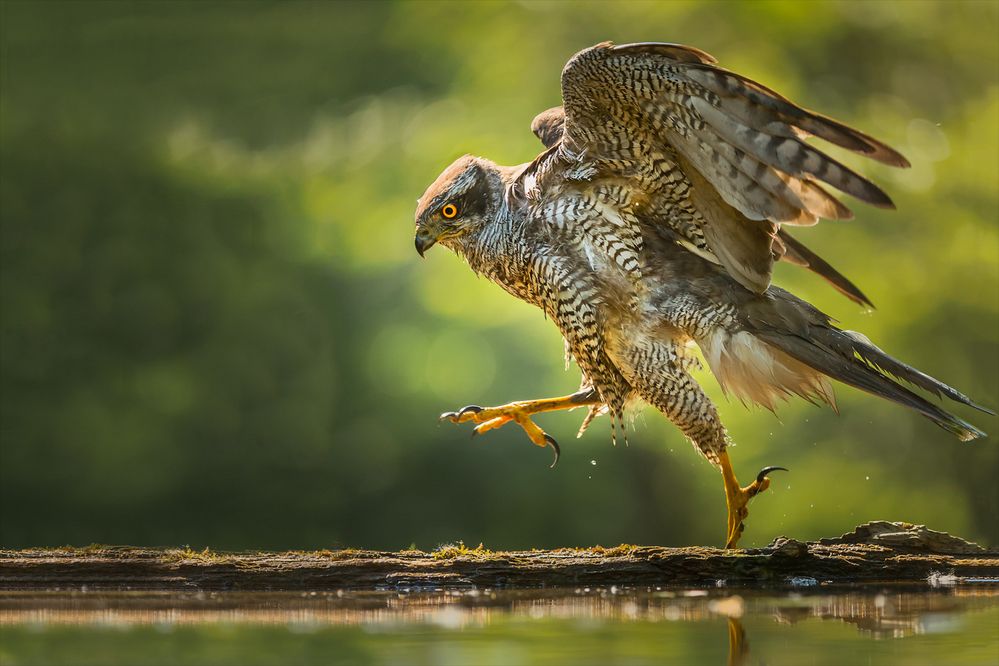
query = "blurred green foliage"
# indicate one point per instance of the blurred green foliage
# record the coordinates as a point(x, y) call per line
point(215, 329)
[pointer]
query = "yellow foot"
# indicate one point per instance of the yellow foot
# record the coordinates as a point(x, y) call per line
point(489, 418)
point(737, 498)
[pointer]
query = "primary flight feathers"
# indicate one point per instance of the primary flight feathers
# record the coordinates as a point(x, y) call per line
point(639, 102)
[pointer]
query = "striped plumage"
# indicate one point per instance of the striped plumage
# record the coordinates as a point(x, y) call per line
point(652, 221)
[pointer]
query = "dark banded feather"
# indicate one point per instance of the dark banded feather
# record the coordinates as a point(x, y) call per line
point(627, 108)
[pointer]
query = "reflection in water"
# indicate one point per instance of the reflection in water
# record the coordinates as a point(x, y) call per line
point(738, 646)
point(890, 612)
point(886, 613)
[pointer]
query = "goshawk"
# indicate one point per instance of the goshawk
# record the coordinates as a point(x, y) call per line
point(650, 223)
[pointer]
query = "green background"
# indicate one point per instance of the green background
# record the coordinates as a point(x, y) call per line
point(215, 330)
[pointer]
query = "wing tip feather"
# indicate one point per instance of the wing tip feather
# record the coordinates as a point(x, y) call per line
point(878, 198)
point(805, 257)
point(859, 142)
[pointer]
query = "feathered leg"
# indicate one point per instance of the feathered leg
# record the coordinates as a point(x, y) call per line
point(489, 418)
point(657, 371)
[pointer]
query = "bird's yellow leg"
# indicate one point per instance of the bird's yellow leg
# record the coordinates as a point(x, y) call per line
point(520, 412)
point(737, 498)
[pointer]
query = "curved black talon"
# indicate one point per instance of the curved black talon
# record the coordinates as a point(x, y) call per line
point(454, 416)
point(766, 470)
point(554, 446)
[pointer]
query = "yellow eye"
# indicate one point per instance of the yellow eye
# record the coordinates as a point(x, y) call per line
point(449, 211)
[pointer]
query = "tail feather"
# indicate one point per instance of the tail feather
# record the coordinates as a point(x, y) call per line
point(806, 335)
point(886, 364)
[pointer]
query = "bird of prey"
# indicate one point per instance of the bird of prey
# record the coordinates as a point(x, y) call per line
point(651, 223)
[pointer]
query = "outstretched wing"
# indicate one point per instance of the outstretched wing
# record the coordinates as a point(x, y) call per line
point(732, 148)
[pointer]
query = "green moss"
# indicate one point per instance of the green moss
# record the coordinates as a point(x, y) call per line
point(450, 551)
point(622, 550)
point(412, 551)
point(189, 555)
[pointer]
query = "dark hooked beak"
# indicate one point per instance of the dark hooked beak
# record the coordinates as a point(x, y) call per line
point(424, 241)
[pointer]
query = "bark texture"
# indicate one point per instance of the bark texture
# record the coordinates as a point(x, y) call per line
point(877, 551)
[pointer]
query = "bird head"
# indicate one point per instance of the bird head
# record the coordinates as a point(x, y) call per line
point(464, 197)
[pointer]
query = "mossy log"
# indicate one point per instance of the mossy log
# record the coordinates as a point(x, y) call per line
point(874, 552)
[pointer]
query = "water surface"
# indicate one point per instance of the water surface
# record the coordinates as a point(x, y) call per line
point(813, 625)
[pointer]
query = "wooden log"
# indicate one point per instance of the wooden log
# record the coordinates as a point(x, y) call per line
point(878, 551)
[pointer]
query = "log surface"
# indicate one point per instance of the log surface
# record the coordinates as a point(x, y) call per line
point(874, 552)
